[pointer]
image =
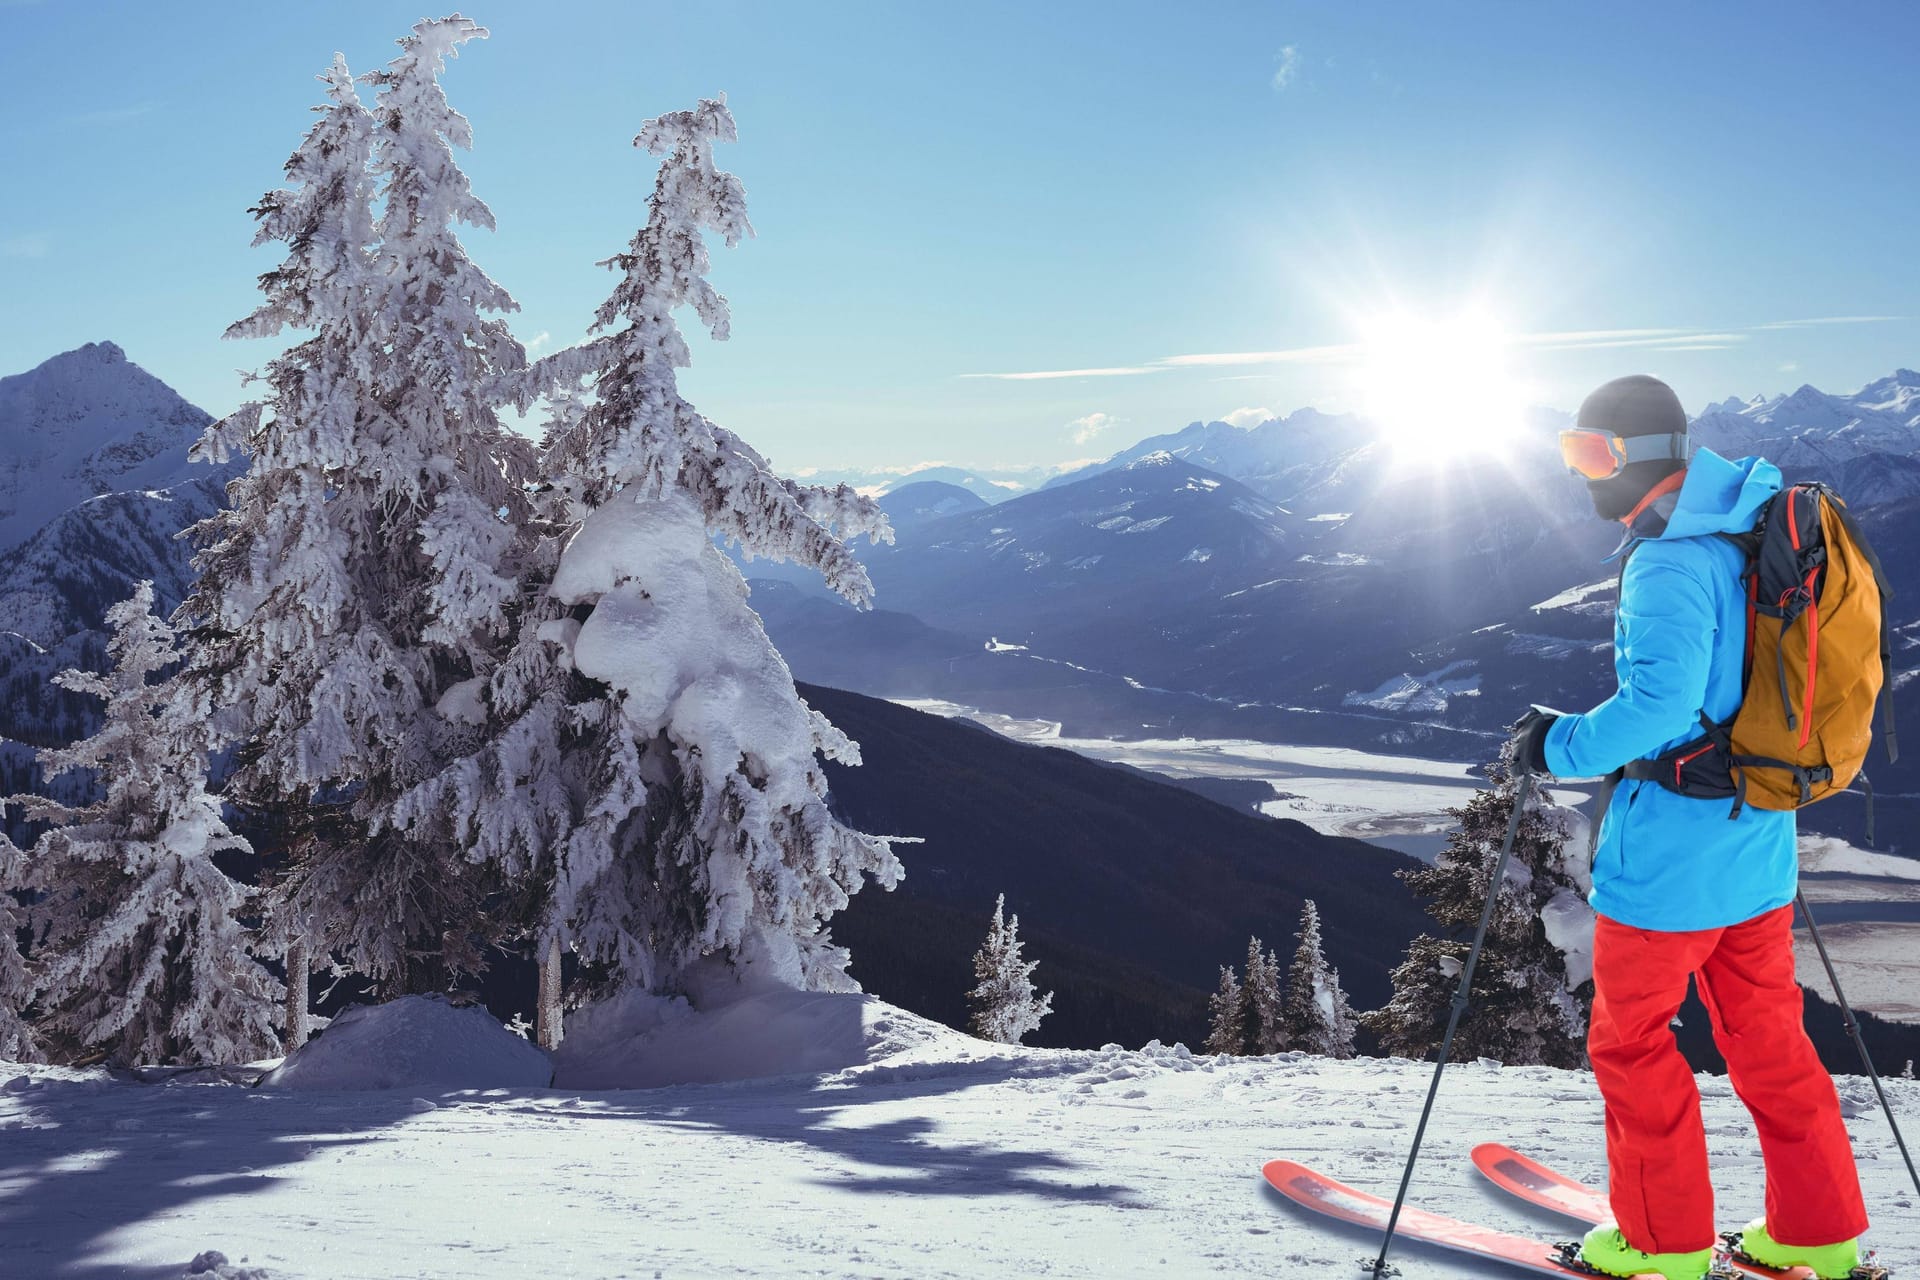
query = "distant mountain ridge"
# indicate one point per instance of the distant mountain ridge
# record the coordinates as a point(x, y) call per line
point(95, 486)
point(990, 484)
point(1414, 607)
point(1293, 572)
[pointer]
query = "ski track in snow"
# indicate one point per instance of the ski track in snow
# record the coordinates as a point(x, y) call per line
point(946, 1161)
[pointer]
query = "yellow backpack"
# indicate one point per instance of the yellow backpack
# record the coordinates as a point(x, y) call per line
point(1819, 655)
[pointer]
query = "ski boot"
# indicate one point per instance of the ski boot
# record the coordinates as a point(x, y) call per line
point(1605, 1252)
point(1829, 1262)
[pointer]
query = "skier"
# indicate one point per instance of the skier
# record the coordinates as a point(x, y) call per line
point(1680, 889)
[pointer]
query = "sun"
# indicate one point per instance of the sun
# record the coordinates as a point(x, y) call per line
point(1439, 387)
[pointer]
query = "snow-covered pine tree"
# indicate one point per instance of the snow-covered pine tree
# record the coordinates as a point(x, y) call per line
point(696, 822)
point(355, 598)
point(1262, 1025)
point(138, 945)
point(16, 989)
point(287, 660)
point(1003, 1000)
point(1316, 1014)
point(1224, 1028)
point(1533, 989)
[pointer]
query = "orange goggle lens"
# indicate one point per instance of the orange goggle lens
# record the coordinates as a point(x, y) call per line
point(1593, 454)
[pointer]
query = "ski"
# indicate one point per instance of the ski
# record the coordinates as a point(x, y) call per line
point(1538, 1185)
point(1323, 1195)
point(1527, 1178)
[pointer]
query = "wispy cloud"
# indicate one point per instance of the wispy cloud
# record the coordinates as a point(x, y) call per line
point(1289, 68)
point(1654, 339)
point(33, 245)
point(111, 115)
point(1086, 428)
point(1250, 417)
point(1807, 324)
point(538, 341)
point(1791, 366)
point(1662, 340)
point(1593, 335)
point(1337, 354)
point(1039, 375)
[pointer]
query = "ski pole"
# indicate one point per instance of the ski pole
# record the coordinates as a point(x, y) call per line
point(1521, 794)
point(1853, 1029)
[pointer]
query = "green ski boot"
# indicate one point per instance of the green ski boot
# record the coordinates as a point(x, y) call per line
point(1828, 1261)
point(1605, 1249)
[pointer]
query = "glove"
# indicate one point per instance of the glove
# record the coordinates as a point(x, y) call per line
point(1530, 741)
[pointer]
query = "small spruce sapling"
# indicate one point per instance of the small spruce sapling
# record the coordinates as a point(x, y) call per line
point(1225, 1032)
point(140, 950)
point(1317, 1017)
point(1004, 1002)
point(1262, 1023)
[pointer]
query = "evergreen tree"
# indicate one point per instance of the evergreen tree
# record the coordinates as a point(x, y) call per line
point(1005, 1006)
point(1533, 990)
point(356, 597)
point(16, 989)
point(288, 660)
point(1224, 1013)
point(1262, 1023)
point(693, 820)
point(1316, 1016)
point(138, 946)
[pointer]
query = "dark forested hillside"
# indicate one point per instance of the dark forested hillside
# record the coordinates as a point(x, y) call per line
point(1132, 892)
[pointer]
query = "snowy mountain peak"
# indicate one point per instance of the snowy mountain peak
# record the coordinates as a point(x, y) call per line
point(96, 352)
point(1158, 458)
point(85, 423)
point(1898, 394)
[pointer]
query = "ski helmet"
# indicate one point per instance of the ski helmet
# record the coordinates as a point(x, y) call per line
point(1636, 405)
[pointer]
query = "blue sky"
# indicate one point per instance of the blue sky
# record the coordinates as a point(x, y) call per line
point(944, 190)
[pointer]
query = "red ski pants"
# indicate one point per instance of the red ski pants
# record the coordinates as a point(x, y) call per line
point(1656, 1146)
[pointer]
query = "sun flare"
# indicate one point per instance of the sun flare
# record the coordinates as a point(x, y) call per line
point(1440, 387)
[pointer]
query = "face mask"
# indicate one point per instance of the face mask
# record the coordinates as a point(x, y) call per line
point(1615, 497)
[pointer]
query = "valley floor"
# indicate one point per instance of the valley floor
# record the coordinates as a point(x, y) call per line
point(951, 1159)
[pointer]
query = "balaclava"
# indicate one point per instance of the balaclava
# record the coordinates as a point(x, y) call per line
point(1632, 406)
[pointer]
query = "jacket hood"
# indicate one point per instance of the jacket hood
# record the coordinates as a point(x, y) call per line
point(1721, 496)
point(1718, 496)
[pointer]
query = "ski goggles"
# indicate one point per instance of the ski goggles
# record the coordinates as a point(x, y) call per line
point(1600, 455)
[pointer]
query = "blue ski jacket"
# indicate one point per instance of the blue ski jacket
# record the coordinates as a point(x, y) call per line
point(1665, 861)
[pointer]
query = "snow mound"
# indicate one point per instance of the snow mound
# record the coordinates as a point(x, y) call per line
point(1828, 855)
point(411, 1043)
point(213, 1264)
point(638, 1041)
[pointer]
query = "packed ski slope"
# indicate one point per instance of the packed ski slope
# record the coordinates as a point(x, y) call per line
point(941, 1156)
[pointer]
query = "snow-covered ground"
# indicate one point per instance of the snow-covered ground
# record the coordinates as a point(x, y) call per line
point(943, 1157)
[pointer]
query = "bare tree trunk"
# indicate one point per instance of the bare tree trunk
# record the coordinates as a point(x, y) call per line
point(549, 1027)
point(297, 967)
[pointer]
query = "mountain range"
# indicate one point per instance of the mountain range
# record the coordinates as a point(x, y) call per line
point(1292, 579)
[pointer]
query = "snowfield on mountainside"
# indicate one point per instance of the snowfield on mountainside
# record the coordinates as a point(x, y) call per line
point(935, 1155)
